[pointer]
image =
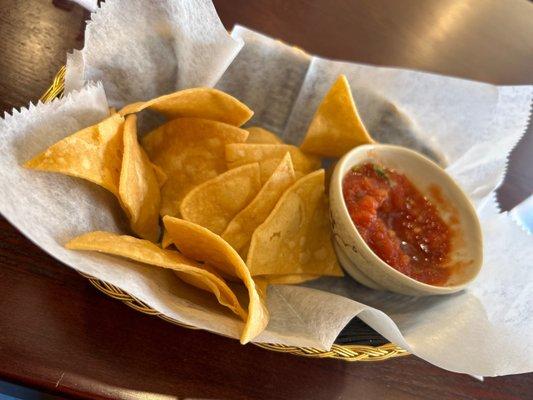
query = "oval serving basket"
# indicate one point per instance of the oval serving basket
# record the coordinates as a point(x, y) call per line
point(357, 342)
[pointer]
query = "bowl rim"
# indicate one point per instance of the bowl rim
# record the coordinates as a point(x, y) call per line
point(336, 184)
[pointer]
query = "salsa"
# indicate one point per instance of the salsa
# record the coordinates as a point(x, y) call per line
point(399, 224)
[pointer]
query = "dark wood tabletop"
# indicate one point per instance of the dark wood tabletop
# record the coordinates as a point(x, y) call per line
point(59, 334)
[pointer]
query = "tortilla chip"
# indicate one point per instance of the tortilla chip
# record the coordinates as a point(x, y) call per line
point(296, 236)
point(201, 244)
point(239, 231)
point(262, 136)
point(139, 188)
point(336, 126)
point(94, 154)
point(214, 203)
point(269, 156)
point(146, 252)
point(288, 279)
point(166, 241)
point(190, 151)
point(206, 103)
point(261, 285)
point(160, 175)
point(199, 281)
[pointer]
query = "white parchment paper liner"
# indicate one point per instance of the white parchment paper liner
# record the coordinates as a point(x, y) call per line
point(140, 49)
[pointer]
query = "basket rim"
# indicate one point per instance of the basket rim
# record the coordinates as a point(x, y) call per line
point(346, 352)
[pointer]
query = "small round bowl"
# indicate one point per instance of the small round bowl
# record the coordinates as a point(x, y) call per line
point(362, 264)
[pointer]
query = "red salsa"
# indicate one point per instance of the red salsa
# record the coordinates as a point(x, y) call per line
point(398, 222)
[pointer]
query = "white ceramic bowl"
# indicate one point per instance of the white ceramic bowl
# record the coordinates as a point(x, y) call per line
point(364, 265)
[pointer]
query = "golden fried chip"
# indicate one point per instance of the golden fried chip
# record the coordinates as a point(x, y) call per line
point(199, 281)
point(94, 154)
point(296, 236)
point(269, 156)
point(201, 244)
point(262, 136)
point(190, 151)
point(148, 253)
point(261, 285)
point(214, 203)
point(166, 241)
point(139, 186)
point(336, 126)
point(288, 279)
point(160, 175)
point(263, 282)
point(239, 231)
point(206, 103)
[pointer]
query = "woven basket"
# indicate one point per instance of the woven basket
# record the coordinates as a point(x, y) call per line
point(346, 351)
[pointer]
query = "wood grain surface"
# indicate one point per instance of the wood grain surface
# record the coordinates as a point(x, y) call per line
point(59, 334)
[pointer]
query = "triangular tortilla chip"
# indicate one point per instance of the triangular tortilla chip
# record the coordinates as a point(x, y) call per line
point(190, 151)
point(288, 279)
point(269, 156)
point(94, 154)
point(206, 103)
point(296, 236)
point(200, 282)
point(239, 231)
point(201, 244)
point(166, 241)
point(139, 186)
point(214, 203)
point(262, 136)
point(160, 175)
point(336, 126)
point(148, 253)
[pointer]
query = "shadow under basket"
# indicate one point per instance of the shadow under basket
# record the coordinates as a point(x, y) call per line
point(356, 342)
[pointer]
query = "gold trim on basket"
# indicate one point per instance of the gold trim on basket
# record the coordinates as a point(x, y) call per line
point(346, 352)
point(56, 89)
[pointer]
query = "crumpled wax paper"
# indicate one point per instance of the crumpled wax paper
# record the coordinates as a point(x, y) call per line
point(141, 49)
point(91, 5)
point(468, 127)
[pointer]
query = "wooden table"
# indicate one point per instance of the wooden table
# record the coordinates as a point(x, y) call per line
point(61, 335)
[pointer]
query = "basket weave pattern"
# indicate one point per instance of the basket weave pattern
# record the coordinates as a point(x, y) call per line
point(346, 352)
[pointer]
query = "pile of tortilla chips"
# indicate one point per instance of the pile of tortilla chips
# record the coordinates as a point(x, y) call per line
point(229, 210)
